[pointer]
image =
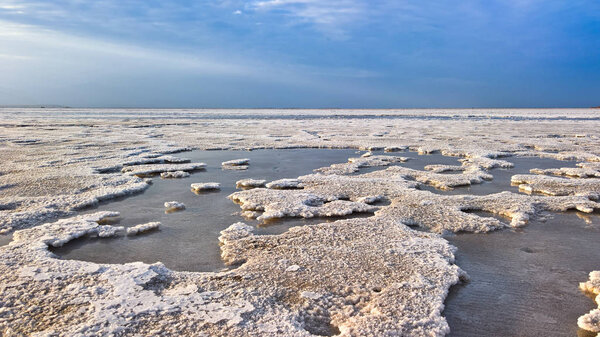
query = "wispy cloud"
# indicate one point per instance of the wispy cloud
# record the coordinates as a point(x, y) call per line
point(331, 17)
point(43, 65)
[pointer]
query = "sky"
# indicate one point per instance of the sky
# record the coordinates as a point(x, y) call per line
point(300, 53)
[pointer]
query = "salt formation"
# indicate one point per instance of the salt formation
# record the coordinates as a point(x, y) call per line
point(557, 186)
point(591, 320)
point(58, 233)
point(174, 174)
point(291, 203)
point(443, 181)
point(236, 162)
point(199, 187)
point(149, 169)
point(142, 228)
point(22, 210)
point(576, 172)
point(235, 232)
point(250, 183)
point(355, 164)
point(395, 148)
point(284, 184)
point(438, 168)
point(174, 206)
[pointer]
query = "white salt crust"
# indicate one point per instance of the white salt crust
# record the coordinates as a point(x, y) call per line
point(394, 279)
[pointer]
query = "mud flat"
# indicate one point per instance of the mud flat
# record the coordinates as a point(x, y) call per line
point(385, 274)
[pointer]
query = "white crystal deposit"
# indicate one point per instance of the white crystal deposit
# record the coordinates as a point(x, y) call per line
point(142, 228)
point(198, 187)
point(174, 205)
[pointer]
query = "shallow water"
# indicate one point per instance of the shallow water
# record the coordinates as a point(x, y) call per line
point(525, 282)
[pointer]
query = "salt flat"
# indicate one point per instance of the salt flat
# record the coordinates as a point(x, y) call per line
point(364, 276)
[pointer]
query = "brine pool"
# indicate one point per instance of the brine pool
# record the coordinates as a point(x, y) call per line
point(523, 281)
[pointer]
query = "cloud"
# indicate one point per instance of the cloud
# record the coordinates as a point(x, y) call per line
point(331, 17)
point(43, 66)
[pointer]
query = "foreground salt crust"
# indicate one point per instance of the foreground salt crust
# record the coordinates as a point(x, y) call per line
point(292, 290)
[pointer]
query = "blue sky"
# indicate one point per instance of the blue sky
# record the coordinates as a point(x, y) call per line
point(301, 53)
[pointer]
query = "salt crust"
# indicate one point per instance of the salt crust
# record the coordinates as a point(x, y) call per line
point(142, 228)
point(591, 320)
point(289, 284)
point(197, 187)
point(250, 183)
point(174, 174)
point(174, 205)
point(59, 163)
point(148, 169)
point(557, 186)
point(236, 162)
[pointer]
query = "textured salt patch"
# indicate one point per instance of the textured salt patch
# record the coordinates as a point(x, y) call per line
point(290, 203)
point(577, 172)
point(284, 184)
point(111, 298)
point(175, 174)
point(147, 169)
point(333, 195)
point(174, 206)
point(250, 183)
point(142, 228)
point(198, 187)
point(591, 320)
point(236, 162)
point(355, 164)
point(558, 186)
